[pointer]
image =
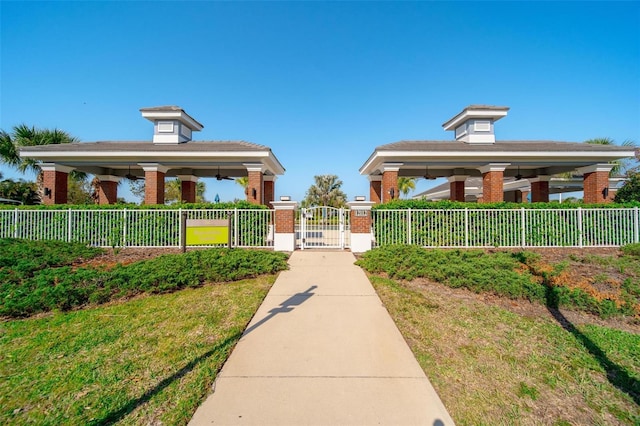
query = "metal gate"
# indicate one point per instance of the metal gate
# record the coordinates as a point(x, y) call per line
point(323, 227)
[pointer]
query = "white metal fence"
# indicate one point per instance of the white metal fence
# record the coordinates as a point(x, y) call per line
point(323, 227)
point(132, 228)
point(507, 228)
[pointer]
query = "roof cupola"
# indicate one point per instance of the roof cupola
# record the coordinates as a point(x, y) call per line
point(171, 124)
point(475, 124)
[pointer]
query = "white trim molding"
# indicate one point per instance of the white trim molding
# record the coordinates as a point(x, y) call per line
point(596, 168)
point(108, 178)
point(154, 167)
point(53, 167)
point(494, 167)
point(187, 178)
point(457, 178)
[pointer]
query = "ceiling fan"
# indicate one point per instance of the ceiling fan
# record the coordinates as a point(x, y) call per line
point(132, 177)
point(518, 175)
point(427, 175)
point(220, 177)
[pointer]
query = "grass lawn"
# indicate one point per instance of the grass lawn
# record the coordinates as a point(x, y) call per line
point(492, 366)
point(150, 360)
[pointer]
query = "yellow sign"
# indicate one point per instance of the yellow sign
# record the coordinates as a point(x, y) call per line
point(207, 232)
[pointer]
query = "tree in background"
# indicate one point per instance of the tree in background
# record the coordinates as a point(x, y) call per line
point(173, 191)
point(621, 166)
point(23, 135)
point(406, 185)
point(243, 182)
point(630, 191)
point(325, 192)
point(25, 192)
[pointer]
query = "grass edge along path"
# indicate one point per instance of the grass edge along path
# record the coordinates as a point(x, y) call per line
point(148, 360)
point(493, 367)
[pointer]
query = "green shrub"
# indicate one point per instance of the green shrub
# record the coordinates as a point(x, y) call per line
point(26, 291)
point(631, 250)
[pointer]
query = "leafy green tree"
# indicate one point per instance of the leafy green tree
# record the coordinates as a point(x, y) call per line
point(630, 191)
point(325, 192)
point(406, 185)
point(25, 192)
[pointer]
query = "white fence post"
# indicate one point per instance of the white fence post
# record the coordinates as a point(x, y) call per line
point(636, 237)
point(69, 227)
point(15, 223)
point(409, 239)
point(466, 227)
point(580, 229)
point(523, 218)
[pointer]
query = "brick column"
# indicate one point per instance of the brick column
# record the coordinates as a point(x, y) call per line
point(596, 183)
point(188, 188)
point(54, 179)
point(524, 194)
point(107, 189)
point(390, 183)
point(493, 182)
point(375, 188)
point(540, 189)
point(456, 188)
point(269, 184)
point(154, 183)
point(255, 186)
point(360, 223)
point(284, 238)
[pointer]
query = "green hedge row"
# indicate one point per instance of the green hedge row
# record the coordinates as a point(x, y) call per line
point(453, 205)
point(51, 282)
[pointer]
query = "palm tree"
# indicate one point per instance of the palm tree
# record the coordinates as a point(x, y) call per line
point(23, 135)
point(620, 166)
point(173, 191)
point(326, 192)
point(406, 185)
point(243, 182)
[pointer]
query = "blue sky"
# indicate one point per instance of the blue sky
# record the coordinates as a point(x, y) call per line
point(321, 83)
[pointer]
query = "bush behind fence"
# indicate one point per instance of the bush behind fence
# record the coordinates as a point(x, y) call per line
point(506, 227)
point(131, 228)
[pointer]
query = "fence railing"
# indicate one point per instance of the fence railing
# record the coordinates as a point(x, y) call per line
point(131, 228)
point(507, 228)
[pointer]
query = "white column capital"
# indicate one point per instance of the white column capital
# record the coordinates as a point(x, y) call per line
point(361, 205)
point(284, 205)
point(54, 167)
point(108, 178)
point(493, 167)
point(187, 178)
point(457, 178)
point(603, 167)
point(154, 167)
point(391, 167)
point(375, 178)
point(254, 167)
point(541, 178)
point(270, 178)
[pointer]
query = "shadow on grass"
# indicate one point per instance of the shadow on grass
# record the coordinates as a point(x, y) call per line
point(118, 415)
point(616, 375)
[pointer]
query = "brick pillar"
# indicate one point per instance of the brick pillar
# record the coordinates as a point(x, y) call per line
point(54, 179)
point(269, 184)
point(154, 183)
point(456, 188)
point(284, 238)
point(188, 188)
point(360, 223)
point(375, 188)
point(390, 184)
point(596, 183)
point(255, 186)
point(107, 189)
point(524, 194)
point(540, 189)
point(492, 183)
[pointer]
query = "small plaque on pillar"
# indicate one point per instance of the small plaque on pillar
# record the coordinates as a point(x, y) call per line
point(361, 213)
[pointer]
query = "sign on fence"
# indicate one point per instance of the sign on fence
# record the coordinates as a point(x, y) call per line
point(207, 232)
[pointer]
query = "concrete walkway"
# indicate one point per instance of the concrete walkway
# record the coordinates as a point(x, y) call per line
point(322, 350)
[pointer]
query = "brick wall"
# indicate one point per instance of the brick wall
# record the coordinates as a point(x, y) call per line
point(107, 192)
point(154, 188)
point(188, 191)
point(269, 192)
point(375, 190)
point(360, 224)
point(285, 221)
point(389, 182)
point(456, 190)
point(492, 187)
point(56, 182)
point(540, 192)
point(594, 184)
point(255, 186)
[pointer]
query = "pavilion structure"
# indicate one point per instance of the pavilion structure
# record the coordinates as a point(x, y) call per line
point(475, 153)
point(170, 154)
